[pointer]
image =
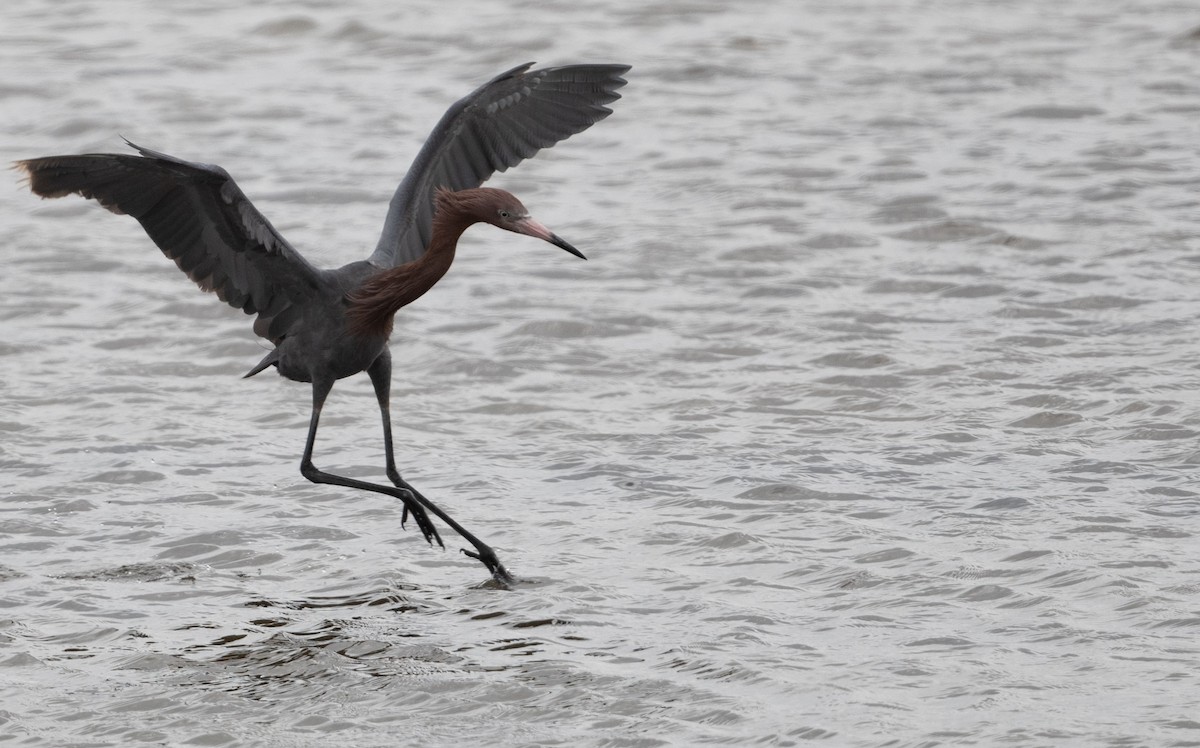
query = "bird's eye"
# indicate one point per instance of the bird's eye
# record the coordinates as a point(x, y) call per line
point(505, 214)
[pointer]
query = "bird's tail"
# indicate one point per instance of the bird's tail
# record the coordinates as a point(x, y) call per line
point(271, 359)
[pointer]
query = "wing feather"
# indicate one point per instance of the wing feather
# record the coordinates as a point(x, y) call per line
point(499, 125)
point(198, 217)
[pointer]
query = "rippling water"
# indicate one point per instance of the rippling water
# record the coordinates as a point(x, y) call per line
point(872, 419)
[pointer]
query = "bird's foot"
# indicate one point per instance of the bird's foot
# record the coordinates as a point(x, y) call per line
point(398, 482)
point(482, 553)
point(489, 559)
point(424, 523)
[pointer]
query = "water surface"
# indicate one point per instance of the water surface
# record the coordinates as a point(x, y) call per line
point(872, 419)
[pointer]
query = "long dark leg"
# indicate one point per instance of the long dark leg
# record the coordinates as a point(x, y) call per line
point(381, 377)
point(411, 502)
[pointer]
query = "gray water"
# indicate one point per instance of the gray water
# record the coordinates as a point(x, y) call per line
point(871, 421)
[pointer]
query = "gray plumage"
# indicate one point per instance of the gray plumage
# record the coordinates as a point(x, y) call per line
point(198, 217)
point(499, 125)
point(201, 219)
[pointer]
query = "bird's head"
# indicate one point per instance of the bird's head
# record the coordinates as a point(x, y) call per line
point(497, 207)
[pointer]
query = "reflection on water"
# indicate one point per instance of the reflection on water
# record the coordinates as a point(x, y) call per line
point(870, 420)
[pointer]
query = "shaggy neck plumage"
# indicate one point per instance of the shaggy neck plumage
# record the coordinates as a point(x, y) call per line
point(374, 304)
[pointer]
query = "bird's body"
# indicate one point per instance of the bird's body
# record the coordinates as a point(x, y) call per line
point(315, 340)
point(331, 324)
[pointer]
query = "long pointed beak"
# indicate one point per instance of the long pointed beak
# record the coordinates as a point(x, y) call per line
point(533, 228)
point(561, 243)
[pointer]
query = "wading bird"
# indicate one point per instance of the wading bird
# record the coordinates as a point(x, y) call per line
point(330, 324)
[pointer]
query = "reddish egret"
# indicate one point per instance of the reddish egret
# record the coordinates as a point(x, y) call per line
point(330, 324)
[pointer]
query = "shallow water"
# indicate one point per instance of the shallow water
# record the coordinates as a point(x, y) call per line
point(872, 419)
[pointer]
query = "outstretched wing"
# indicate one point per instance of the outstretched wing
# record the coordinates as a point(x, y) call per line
point(198, 217)
point(500, 124)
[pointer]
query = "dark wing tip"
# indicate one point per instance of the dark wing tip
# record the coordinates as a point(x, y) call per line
point(618, 71)
point(603, 78)
point(26, 174)
point(497, 126)
point(613, 69)
point(38, 175)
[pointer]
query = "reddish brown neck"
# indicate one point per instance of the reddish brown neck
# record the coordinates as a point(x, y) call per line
point(374, 304)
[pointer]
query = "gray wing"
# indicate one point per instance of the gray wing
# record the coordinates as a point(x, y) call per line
point(198, 217)
point(503, 122)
